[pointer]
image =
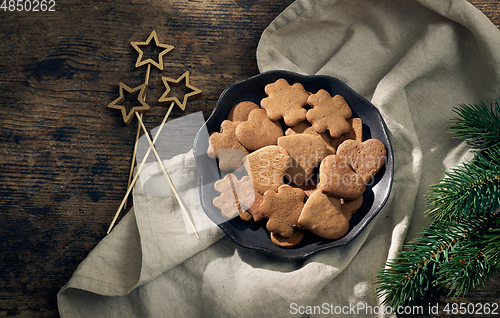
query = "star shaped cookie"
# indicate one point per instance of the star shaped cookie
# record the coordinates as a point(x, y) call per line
point(167, 48)
point(194, 91)
point(142, 107)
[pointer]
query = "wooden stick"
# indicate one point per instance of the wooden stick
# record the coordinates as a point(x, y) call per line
point(139, 169)
point(133, 159)
point(146, 81)
point(183, 208)
point(147, 76)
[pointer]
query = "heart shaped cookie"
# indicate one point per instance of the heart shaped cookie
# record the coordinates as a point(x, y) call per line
point(306, 152)
point(337, 178)
point(226, 147)
point(258, 131)
point(268, 166)
point(351, 206)
point(366, 158)
point(240, 111)
point(323, 215)
point(283, 209)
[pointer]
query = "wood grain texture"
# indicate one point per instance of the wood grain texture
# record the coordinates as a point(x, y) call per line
point(64, 157)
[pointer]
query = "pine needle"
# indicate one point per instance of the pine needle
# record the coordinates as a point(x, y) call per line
point(478, 124)
point(468, 191)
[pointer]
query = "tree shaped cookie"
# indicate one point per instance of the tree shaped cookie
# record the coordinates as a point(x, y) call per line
point(356, 133)
point(226, 147)
point(283, 209)
point(323, 215)
point(304, 127)
point(366, 158)
point(306, 152)
point(285, 101)
point(258, 131)
point(329, 113)
point(337, 178)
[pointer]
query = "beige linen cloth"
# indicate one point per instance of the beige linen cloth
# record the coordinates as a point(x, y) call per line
point(414, 60)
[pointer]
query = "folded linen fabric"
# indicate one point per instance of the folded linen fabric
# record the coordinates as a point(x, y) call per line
point(415, 60)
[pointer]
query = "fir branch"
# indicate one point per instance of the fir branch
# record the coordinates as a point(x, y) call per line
point(478, 124)
point(469, 190)
point(474, 260)
point(412, 276)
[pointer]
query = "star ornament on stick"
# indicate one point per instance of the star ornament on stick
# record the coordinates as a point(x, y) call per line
point(167, 48)
point(193, 93)
point(128, 116)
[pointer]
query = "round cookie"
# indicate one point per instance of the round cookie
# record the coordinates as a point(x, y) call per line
point(283, 209)
point(337, 178)
point(226, 147)
point(366, 158)
point(268, 166)
point(258, 131)
point(240, 111)
point(323, 215)
point(306, 152)
point(292, 241)
point(285, 101)
point(329, 113)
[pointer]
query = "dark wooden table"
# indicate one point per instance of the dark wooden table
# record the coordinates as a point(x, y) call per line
point(64, 157)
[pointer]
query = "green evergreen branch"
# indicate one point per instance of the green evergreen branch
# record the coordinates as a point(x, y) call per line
point(474, 261)
point(470, 190)
point(412, 276)
point(478, 124)
point(461, 248)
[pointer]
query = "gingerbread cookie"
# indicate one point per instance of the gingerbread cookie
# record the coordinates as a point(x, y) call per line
point(306, 152)
point(236, 196)
point(268, 166)
point(351, 206)
point(292, 241)
point(329, 113)
point(356, 133)
point(285, 101)
point(366, 158)
point(304, 127)
point(323, 215)
point(226, 147)
point(254, 208)
point(337, 178)
point(258, 131)
point(283, 209)
point(240, 111)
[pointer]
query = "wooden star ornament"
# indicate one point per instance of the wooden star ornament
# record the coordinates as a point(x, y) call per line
point(128, 116)
point(194, 91)
point(167, 48)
